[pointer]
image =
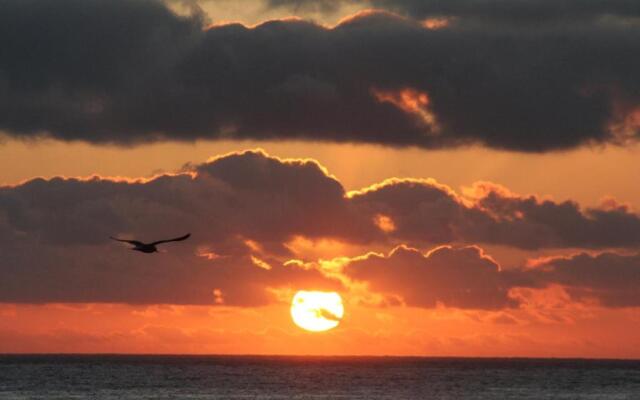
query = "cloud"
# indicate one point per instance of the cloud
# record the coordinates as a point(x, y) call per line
point(502, 11)
point(422, 210)
point(81, 274)
point(226, 201)
point(246, 210)
point(609, 278)
point(240, 209)
point(467, 278)
point(132, 71)
point(459, 278)
point(522, 11)
point(249, 197)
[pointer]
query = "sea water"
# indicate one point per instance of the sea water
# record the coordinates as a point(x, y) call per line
point(265, 377)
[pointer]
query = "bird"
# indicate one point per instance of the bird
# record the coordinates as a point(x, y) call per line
point(149, 247)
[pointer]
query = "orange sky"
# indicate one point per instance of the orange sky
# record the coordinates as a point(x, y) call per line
point(586, 175)
point(95, 328)
point(547, 324)
point(460, 251)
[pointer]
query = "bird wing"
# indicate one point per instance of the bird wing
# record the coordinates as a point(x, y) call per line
point(133, 242)
point(171, 240)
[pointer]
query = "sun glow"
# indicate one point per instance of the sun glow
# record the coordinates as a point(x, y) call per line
point(317, 311)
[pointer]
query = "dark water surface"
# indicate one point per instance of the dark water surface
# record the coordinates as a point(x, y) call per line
point(253, 377)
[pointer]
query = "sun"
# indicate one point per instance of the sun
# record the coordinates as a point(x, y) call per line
point(317, 311)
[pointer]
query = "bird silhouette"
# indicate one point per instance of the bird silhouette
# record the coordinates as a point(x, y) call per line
point(150, 247)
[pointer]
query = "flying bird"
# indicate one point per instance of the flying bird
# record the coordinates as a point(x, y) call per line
point(150, 247)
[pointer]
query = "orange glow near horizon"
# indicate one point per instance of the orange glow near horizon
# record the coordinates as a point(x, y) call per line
point(72, 328)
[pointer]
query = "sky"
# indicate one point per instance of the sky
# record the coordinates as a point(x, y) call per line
point(463, 173)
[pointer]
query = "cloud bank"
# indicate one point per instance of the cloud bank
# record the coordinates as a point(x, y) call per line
point(493, 11)
point(245, 209)
point(467, 278)
point(132, 71)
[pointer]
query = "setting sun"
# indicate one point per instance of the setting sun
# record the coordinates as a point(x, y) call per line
point(314, 199)
point(317, 311)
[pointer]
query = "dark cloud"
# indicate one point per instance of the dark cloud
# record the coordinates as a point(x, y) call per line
point(240, 209)
point(36, 273)
point(224, 202)
point(129, 71)
point(529, 222)
point(518, 11)
point(506, 11)
point(460, 278)
point(611, 279)
point(466, 278)
point(243, 209)
point(425, 211)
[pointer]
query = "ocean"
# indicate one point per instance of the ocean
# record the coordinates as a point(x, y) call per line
point(267, 377)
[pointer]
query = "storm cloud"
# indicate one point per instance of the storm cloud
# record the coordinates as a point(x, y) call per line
point(132, 71)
